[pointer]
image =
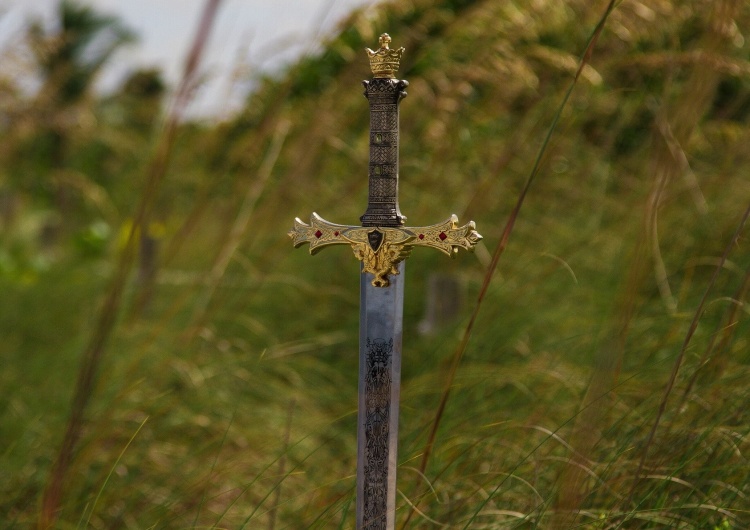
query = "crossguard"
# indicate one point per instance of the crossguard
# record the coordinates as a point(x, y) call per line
point(381, 249)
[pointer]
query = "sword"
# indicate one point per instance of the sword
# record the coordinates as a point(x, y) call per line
point(381, 244)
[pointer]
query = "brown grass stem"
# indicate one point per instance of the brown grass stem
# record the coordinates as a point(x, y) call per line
point(502, 244)
point(681, 355)
point(713, 355)
point(692, 104)
point(673, 128)
point(108, 314)
point(180, 102)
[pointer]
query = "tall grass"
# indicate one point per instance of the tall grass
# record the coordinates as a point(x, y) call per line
point(109, 312)
point(602, 384)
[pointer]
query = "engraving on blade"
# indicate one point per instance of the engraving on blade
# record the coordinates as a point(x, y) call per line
point(376, 430)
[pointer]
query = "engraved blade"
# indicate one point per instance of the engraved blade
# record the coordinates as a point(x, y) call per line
point(380, 332)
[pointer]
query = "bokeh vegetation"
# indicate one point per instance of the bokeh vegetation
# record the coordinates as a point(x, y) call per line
point(605, 382)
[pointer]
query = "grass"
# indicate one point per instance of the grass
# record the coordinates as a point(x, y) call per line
point(602, 384)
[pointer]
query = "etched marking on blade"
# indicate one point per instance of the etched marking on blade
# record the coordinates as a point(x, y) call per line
point(381, 329)
point(377, 430)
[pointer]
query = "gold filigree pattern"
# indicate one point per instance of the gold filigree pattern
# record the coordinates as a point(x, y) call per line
point(381, 249)
point(319, 233)
point(447, 236)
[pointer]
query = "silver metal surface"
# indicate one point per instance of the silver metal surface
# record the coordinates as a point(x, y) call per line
point(380, 332)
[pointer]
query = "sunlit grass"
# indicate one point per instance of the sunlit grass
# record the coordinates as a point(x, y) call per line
point(227, 397)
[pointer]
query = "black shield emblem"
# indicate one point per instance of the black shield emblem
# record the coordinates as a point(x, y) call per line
point(375, 239)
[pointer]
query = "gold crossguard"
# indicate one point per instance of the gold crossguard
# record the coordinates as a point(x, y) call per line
point(380, 249)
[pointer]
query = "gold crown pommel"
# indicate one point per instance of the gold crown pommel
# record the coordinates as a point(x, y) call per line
point(384, 62)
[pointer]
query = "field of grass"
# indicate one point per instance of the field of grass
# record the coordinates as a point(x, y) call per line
point(170, 361)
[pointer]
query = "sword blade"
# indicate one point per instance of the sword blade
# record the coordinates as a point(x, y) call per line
point(380, 332)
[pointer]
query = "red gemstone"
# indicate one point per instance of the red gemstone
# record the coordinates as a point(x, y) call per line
point(442, 236)
point(421, 236)
point(318, 234)
point(336, 233)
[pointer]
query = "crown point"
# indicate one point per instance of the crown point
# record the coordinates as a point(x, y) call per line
point(384, 62)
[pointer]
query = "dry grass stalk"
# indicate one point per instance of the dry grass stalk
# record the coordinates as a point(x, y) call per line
point(108, 314)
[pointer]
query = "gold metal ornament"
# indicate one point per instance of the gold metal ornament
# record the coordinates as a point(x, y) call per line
point(447, 237)
point(384, 62)
point(381, 249)
point(319, 233)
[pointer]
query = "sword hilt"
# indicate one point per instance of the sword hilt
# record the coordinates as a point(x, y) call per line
point(382, 242)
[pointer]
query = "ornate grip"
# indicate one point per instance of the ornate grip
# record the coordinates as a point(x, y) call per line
point(384, 96)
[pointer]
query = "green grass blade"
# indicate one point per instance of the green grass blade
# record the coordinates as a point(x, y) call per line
point(112, 469)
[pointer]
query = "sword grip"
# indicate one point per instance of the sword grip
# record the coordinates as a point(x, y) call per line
point(384, 96)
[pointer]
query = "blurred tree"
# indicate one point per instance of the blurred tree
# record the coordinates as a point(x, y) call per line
point(55, 155)
point(69, 58)
point(141, 97)
point(129, 117)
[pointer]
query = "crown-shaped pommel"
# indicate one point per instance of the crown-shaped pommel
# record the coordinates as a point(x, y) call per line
point(384, 62)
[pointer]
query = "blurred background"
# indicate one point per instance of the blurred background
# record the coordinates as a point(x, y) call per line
point(170, 361)
point(246, 38)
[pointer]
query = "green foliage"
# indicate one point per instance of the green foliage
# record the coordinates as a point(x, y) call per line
point(227, 397)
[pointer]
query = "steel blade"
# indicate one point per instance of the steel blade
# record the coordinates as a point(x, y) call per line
point(380, 332)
